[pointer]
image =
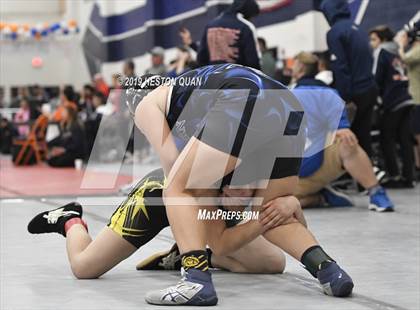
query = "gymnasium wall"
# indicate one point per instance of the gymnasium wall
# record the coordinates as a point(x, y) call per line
point(288, 25)
point(112, 31)
point(63, 58)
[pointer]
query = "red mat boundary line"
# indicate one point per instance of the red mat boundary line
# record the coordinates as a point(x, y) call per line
point(10, 190)
point(41, 181)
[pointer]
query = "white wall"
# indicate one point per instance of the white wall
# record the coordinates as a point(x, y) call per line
point(304, 33)
point(31, 11)
point(64, 62)
point(63, 59)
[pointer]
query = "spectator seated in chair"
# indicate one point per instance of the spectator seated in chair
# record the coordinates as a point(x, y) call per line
point(70, 144)
point(22, 116)
point(93, 119)
point(67, 98)
point(7, 132)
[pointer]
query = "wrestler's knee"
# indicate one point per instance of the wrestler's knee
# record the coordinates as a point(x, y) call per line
point(348, 151)
point(273, 263)
point(83, 269)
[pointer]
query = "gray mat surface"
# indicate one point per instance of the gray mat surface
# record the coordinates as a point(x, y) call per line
point(380, 252)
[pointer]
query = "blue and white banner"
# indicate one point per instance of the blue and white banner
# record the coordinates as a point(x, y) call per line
point(117, 31)
point(157, 22)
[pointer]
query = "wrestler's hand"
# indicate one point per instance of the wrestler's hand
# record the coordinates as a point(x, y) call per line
point(280, 211)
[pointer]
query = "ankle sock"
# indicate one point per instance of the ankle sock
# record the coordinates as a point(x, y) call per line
point(315, 259)
point(196, 260)
point(73, 221)
point(374, 189)
point(209, 253)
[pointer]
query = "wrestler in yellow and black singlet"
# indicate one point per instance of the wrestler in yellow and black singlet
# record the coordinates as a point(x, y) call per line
point(142, 215)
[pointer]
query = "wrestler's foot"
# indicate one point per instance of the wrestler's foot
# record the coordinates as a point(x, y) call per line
point(167, 260)
point(334, 198)
point(379, 201)
point(54, 220)
point(334, 280)
point(195, 289)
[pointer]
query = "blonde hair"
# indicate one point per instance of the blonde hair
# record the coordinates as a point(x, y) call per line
point(310, 62)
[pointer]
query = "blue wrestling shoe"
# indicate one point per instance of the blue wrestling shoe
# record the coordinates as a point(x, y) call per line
point(335, 281)
point(195, 289)
point(334, 198)
point(379, 201)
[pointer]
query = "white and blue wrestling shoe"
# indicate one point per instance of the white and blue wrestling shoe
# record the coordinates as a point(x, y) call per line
point(380, 202)
point(195, 289)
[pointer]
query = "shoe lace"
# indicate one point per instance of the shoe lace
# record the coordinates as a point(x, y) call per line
point(53, 216)
point(175, 288)
point(182, 283)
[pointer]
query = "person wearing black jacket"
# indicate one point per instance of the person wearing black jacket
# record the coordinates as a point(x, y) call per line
point(7, 133)
point(396, 107)
point(231, 37)
point(351, 63)
point(70, 144)
point(93, 120)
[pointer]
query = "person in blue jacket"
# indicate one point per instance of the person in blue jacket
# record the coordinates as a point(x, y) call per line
point(351, 63)
point(318, 169)
point(231, 37)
